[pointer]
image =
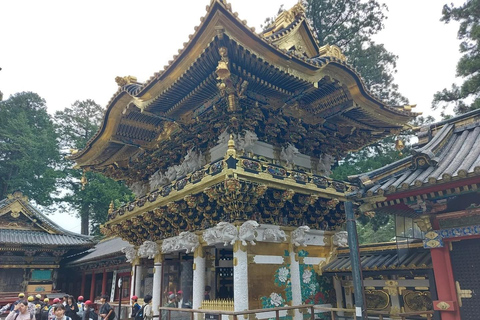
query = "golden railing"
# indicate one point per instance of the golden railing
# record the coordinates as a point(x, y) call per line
point(218, 304)
point(305, 309)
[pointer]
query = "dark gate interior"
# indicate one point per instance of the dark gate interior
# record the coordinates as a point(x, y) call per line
point(466, 270)
point(11, 280)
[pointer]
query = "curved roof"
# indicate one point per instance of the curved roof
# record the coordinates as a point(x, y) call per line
point(320, 90)
point(448, 151)
point(22, 224)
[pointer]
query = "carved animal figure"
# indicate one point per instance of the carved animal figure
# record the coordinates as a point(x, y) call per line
point(130, 253)
point(288, 154)
point(248, 232)
point(148, 250)
point(340, 239)
point(274, 235)
point(299, 237)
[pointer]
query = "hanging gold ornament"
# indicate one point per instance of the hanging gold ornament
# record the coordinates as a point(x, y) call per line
point(83, 180)
point(399, 146)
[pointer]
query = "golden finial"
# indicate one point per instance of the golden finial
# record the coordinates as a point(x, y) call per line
point(231, 147)
point(111, 207)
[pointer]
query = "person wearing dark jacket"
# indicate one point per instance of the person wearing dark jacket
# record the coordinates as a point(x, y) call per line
point(71, 308)
point(106, 311)
point(89, 311)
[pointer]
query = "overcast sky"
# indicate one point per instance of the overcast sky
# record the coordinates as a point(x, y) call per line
point(73, 50)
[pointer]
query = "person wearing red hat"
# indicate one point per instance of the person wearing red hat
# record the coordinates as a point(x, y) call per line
point(179, 299)
point(135, 306)
point(81, 307)
point(89, 311)
point(51, 313)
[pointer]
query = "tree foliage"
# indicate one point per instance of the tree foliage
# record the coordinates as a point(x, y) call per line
point(465, 97)
point(350, 25)
point(28, 148)
point(76, 125)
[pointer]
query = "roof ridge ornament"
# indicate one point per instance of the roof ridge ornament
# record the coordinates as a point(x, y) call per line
point(332, 51)
point(123, 81)
point(285, 18)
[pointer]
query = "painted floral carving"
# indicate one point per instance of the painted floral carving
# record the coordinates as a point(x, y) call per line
point(307, 276)
point(276, 299)
point(283, 274)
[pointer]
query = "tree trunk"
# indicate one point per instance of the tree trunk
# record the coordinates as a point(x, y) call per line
point(85, 220)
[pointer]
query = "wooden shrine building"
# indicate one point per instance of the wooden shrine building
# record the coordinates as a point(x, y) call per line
point(434, 194)
point(228, 150)
point(32, 247)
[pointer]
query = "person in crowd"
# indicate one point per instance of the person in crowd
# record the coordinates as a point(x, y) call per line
point(59, 310)
point(5, 308)
point(38, 306)
point(179, 299)
point(147, 307)
point(207, 293)
point(21, 297)
point(20, 312)
point(81, 307)
point(135, 306)
point(89, 311)
point(65, 298)
point(71, 308)
point(31, 306)
point(51, 310)
point(45, 309)
point(106, 311)
point(170, 303)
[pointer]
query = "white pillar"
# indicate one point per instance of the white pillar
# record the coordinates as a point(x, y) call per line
point(138, 279)
point(295, 278)
point(133, 278)
point(339, 293)
point(198, 277)
point(157, 282)
point(240, 277)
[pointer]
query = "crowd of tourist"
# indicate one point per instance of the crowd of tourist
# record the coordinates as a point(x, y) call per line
point(36, 308)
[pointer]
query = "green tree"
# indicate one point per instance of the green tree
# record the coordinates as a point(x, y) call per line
point(350, 25)
point(465, 97)
point(76, 125)
point(29, 151)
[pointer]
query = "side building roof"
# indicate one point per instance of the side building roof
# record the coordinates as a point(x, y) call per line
point(23, 224)
point(448, 152)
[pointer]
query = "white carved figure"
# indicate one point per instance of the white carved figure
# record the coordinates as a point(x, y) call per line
point(325, 165)
point(139, 189)
point(340, 239)
point(157, 180)
point(192, 161)
point(148, 250)
point(276, 299)
point(288, 154)
point(223, 232)
point(274, 235)
point(188, 241)
point(168, 245)
point(248, 232)
point(242, 142)
point(247, 141)
point(223, 137)
point(299, 237)
point(130, 253)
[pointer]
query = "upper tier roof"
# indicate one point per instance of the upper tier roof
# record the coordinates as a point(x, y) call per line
point(281, 85)
point(23, 224)
point(447, 151)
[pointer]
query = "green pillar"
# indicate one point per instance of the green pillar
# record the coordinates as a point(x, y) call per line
point(360, 306)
